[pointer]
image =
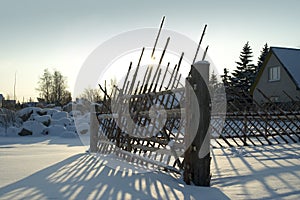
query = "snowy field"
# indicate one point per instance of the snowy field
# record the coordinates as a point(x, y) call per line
point(52, 167)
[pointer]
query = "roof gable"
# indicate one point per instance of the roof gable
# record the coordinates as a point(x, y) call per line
point(290, 60)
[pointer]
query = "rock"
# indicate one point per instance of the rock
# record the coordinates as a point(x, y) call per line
point(68, 107)
point(59, 115)
point(34, 126)
point(25, 132)
point(63, 121)
point(72, 128)
point(75, 113)
point(54, 130)
point(45, 119)
point(26, 116)
point(51, 112)
point(25, 113)
point(58, 108)
point(42, 112)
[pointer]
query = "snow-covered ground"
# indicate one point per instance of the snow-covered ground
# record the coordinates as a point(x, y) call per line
point(52, 167)
point(262, 172)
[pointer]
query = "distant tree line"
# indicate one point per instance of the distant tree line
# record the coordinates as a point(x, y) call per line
point(52, 88)
point(101, 93)
point(91, 94)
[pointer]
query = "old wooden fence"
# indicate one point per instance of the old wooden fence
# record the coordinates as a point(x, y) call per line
point(248, 122)
point(147, 120)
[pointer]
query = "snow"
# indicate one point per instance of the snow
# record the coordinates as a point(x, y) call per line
point(290, 58)
point(39, 122)
point(12, 131)
point(68, 134)
point(57, 168)
point(59, 115)
point(28, 110)
point(34, 126)
point(54, 130)
point(265, 172)
point(2, 131)
point(55, 165)
point(52, 167)
point(41, 119)
point(51, 112)
point(64, 121)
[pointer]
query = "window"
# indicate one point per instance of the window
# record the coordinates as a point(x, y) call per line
point(274, 73)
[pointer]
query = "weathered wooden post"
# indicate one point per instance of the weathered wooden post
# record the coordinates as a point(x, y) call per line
point(197, 137)
point(94, 127)
point(245, 127)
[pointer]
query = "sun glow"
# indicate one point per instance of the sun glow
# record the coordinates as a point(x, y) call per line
point(118, 68)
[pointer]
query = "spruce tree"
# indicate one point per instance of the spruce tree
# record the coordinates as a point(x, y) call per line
point(244, 74)
point(213, 83)
point(213, 80)
point(226, 78)
point(262, 56)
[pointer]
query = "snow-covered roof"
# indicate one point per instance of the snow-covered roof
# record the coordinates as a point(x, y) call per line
point(290, 60)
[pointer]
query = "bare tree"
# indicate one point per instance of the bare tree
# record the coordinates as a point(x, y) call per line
point(53, 88)
point(45, 86)
point(58, 87)
point(91, 94)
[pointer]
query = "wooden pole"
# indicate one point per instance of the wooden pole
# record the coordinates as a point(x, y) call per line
point(94, 126)
point(158, 34)
point(199, 44)
point(197, 155)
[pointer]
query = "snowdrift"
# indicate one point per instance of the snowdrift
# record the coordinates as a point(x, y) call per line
point(35, 121)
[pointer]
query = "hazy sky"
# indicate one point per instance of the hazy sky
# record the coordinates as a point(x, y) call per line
point(39, 34)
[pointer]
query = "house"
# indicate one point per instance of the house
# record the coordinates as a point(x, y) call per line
point(279, 76)
point(9, 104)
point(1, 100)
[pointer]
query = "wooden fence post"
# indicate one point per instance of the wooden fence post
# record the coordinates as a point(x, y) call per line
point(245, 124)
point(197, 155)
point(94, 126)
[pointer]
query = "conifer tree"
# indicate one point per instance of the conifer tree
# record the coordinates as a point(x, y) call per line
point(244, 74)
point(213, 83)
point(226, 78)
point(262, 56)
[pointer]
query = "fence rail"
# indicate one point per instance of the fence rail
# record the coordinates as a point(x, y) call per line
point(248, 122)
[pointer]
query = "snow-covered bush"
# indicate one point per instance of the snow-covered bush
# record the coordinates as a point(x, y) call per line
point(8, 118)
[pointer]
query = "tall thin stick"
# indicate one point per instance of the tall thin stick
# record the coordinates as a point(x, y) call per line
point(205, 52)
point(196, 54)
point(161, 25)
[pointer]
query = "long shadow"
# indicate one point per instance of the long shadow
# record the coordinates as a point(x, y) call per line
point(10, 141)
point(83, 176)
point(270, 171)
